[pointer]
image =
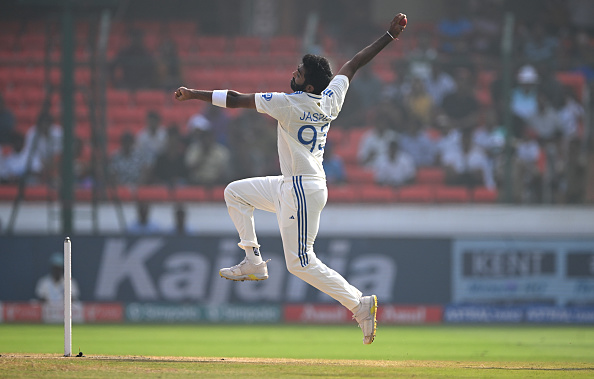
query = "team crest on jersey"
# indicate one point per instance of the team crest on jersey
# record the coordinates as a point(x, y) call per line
point(267, 96)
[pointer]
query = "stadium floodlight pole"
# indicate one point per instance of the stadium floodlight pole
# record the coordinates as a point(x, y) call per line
point(67, 193)
point(506, 50)
point(67, 298)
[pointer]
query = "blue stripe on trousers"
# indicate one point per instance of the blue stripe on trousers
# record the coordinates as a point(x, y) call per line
point(301, 220)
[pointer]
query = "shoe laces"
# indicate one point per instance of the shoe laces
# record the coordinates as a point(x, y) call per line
point(244, 261)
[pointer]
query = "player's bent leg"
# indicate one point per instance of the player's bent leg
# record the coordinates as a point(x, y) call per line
point(325, 279)
point(366, 315)
point(320, 276)
point(242, 197)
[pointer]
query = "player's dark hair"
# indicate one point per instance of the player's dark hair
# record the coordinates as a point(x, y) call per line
point(317, 72)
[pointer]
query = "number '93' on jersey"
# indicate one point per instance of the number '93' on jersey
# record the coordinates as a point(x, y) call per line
point(303, 125)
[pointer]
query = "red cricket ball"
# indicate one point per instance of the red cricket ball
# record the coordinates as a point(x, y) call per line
point(403, 21)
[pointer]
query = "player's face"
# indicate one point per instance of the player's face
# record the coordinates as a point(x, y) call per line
point(298, 79)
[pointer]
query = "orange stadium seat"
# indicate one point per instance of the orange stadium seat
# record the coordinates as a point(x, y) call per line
point(83, 194)
point(25, 118)
point(246, 46)
point(575, 80)
point(35, 96)
point(288, 44)
point(23, 77)
point(212, 46)
point(33, 41)
point(8, 192)
point(190, 193)
point(121, 193)
point(430, 175)
point(82, 77)
point(132, 116)
point(416, 194)
point(217, 194)
point(118, 97)
point(185, 43)
point(484, 195)
point(150, 99)
point(452, 194)
point(357, 174)
point(377, 194)
point(153, 193)
point(343, 193)
point(40, 193)
point(7, 40)
point(13, 99)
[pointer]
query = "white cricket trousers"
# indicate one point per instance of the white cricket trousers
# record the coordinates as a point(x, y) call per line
point(298, 202)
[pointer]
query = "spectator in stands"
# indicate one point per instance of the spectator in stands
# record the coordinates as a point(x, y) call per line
point(49, 289)
point(397, 91)
point(538, 47)
point(374, 142)
point(134, 67)
point(486, 22)
point(170, 165)
point(168, 65)
point(545, 121)
point(82, 167)
point(44, 143)
point(252, 143)
point(583, 61)
point(454, 26)
point(461, 106)
point(14, 164)
point(422, 58)
point(364, 94)
point(439, 84)
point(571, 114)
point(395, 167)
point(142, 224)
point(524, 102)
point(548, 83)
point(416, 142)
point(527, 172)
point(333, 166)
point(490, 136)
point(127, 165)
point(419, 103)
point(7, 123)
point(556, 164)
point(208, 162)
point(151, 140)
point(575, 173)
point(468, 165)
point(219, 122)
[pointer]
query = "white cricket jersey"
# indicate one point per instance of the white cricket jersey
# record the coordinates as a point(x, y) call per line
point(303, 124)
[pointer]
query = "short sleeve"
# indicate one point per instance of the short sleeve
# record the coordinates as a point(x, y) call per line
point(335, 93)
point(273, 104)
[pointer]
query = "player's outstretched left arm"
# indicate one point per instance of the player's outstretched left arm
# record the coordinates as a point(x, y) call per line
point(225, 98)
point(367, 54)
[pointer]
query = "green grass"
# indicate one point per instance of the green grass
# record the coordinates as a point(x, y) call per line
point(425, 351)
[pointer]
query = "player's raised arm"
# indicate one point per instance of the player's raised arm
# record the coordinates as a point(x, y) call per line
point(367, 54)
point(220, 98)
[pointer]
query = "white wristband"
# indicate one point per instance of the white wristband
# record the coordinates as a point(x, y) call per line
point(219, 98)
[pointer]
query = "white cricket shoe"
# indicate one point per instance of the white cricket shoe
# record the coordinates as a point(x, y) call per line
point(366, 317)
point(246, 270)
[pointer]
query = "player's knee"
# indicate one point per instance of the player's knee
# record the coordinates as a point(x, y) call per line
point(295, 268)
point(229, 192)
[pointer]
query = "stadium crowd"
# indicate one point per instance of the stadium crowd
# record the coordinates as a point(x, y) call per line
point(434, 104)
